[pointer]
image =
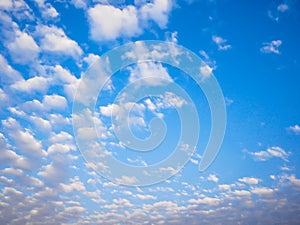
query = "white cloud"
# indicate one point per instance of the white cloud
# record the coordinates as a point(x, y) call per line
point(91, 58)
point(282, 7)
point(294, 180)
point(23, 49)
point(61, 137)
point(221, 43)
point(34, 84)
point(273, 152)
point(55, 41)
point(8, 74)
point(6, 4)
point(210, 62)
point(48, 11)
point(295, 129)
point(54, 101)
point(205, 71)
point(11, 158)
point(213, 177)
point(158, 11)
point(79, 4)
point(153, 74)
point(271, 47)
point(54, 172)
point(126, 22)
point(262, 191)
point(40, 123)
point(24, 140)
point(242, 193)
point(122, 22)
point(146, 197)
point(110, 110)
point(206, 201)
point(126, 180)
point(249, 180)
point(60, 148)
point(3, 96)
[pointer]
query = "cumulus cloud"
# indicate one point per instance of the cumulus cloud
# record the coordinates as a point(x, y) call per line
point(272, 152)
point(34, 84)
point(221, 43)
point(126, 22)
point(295, 129)
point(54, 40)
point(54, 101)
point(213, 177)
point(271, 47)
point(24, 140)
point(249, 180)
point(123, 22)
point(8, 73)
point(47, 10)
point(152, 73)
point(23, 48)
point(158, 11)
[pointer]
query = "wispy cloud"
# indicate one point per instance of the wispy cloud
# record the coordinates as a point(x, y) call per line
point(295, 129)
point(282, 7)
point(272, 152)
point(221, 43)
point(271, 47)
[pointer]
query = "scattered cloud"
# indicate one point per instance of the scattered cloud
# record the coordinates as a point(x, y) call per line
point(249, 180)
point(213, 177)
point(273, 152)
point(23, 48)
point(295, 129)
point(47, 10)
point(126, 22)
point(149, 73)
point(221, 43)
point(54, 40)
point(282, 7)
point(271, 47)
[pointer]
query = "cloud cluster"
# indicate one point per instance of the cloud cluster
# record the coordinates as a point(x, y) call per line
point(126, 22)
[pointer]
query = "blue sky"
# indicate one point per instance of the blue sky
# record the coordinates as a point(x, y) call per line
point(251, 47)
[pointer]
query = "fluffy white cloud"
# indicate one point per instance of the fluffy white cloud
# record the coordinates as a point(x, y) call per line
point(80, 4)
point(295, 129)
point(54, 102)
point(271, 47)
point(8, 74)
point(213, 177)
point(55, 41)
point(221, 43)
point(5, 4)
point(206, 201)
point(122, 22)
point(262, 191)
point(205, 71)
point(158, 11)
point(3, 96)
point(48, 11)
point(23, 48)
point(249, 180)
point(23, 139)
point(152, 73)
point(61, 137)
point(34, 84)
point(272, 152)
point(126, 22)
